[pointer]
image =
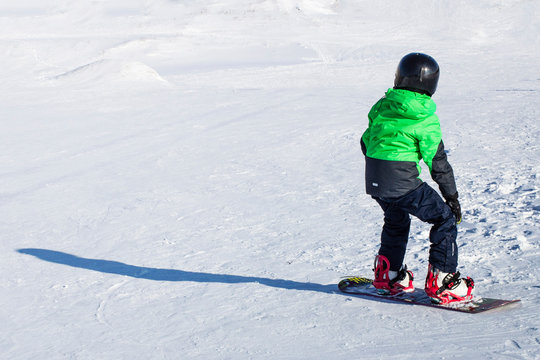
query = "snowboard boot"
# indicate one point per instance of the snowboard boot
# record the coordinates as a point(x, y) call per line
point(445, 288)
point(389, 282)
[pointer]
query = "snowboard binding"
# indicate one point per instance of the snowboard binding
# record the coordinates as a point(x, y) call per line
point(389, 282)
point(446, 288)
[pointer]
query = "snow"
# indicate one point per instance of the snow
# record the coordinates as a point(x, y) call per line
point(183, 179)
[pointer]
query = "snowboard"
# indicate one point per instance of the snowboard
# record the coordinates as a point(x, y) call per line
point(363, 287)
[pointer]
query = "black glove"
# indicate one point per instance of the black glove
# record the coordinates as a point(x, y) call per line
point(453, 203)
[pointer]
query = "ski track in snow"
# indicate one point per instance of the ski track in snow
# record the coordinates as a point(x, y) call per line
point(183, 179)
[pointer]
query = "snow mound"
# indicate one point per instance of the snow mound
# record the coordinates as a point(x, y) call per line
point(308, 6)
point(138, 71)
point(112, 72)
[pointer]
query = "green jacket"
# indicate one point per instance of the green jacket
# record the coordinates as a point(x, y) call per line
point(404, 129)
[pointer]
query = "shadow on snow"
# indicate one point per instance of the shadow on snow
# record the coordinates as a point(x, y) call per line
point(139, 272)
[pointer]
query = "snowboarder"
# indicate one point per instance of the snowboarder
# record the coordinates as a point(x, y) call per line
point(403, 128)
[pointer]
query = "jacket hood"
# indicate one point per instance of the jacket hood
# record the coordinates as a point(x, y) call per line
point(410, 104)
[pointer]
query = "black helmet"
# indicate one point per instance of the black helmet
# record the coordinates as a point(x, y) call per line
point(417, 72)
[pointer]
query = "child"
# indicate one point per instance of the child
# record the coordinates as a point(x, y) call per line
point(403, 129)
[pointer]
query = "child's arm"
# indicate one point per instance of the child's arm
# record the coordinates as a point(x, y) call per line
point(432, 150)
point(442, 173)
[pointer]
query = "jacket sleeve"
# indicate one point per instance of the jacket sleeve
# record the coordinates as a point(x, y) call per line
point(364, 140)
point(432, 151)
point(363, 144)
point(442, 173)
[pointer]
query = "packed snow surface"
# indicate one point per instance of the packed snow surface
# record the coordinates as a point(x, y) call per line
point(183, 179)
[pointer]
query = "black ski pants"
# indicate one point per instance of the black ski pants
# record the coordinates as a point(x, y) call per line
point(427, 205)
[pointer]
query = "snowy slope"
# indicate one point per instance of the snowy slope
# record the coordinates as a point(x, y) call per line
point(183, 179)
